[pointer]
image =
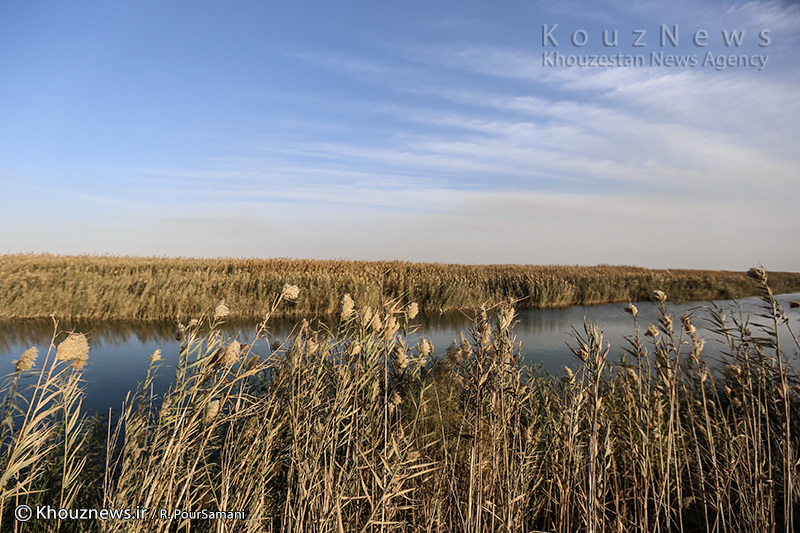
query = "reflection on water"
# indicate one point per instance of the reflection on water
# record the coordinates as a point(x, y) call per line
point(103, 334)
point(120, 351)
point(107, 334)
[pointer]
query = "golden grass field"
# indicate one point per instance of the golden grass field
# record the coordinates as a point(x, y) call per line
point(112, 287)
point(348, 428)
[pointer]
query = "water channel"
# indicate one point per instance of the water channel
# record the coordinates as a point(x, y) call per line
point(120, 351)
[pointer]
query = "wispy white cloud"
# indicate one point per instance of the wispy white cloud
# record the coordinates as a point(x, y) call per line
point(661, 130)
point(369, 70)
point(478, 153)
point(505, 62)
point(776, 15)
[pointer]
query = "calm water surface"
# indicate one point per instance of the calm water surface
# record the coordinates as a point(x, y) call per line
point(120, 351)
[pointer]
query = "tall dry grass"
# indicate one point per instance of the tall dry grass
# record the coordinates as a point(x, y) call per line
point(351, 428)
point(111, 287)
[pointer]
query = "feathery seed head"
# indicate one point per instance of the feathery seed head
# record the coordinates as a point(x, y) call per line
point(424, 347)
point(74, 348)
point(312, 342)
point(651, 332)
point(583, 353)
point(658, 296)
point(156, 356)
point(506, 317)
point(180, 333)
point(221, 311)
point(758, 274)
point(212, 410)
point(230, 354)
point(412, 310)
point(348, 306)
point(290, 292)
point(453, 352)
point(464, 346)
point(26, 360)
point(631, 310)
point(400, 358)
point(390, 328)
point(375, 323)
point(366, 317)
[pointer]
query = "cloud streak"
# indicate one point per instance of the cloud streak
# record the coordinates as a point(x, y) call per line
point(468, 149)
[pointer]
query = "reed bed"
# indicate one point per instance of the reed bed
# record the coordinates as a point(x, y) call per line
point(112, 287)
point(350, 428)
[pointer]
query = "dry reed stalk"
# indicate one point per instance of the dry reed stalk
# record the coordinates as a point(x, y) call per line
point(352, 429)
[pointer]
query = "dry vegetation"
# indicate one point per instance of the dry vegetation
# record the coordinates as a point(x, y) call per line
point(112, 287)
point(353, 430)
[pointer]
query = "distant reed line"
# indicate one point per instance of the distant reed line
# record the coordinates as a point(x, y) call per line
point(153, 288)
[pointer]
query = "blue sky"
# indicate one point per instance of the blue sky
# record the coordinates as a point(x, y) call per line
point(406, 130)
